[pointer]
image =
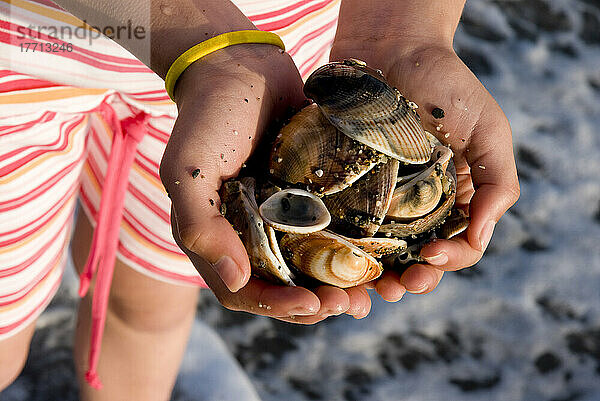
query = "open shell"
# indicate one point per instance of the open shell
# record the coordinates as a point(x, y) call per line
point(359, 102)
point(311, 151)
point(330, 258)
point(420, 194)
point(295, 211)
point(242, 213)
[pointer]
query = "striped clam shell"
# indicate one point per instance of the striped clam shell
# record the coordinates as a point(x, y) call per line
point(359, 210)
point(359, 102)
point(312, 152)
point(330, 259)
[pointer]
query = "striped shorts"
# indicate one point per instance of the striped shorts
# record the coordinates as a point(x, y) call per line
point(60, 115)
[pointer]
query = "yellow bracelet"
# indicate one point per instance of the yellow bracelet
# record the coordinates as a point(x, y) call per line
point(211, 45)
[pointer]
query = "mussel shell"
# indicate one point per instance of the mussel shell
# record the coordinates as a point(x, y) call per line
point(358, 211)
point(242, 214)
point(359, 102)
point(295, 210)
point(330, 259)
point(312, 152)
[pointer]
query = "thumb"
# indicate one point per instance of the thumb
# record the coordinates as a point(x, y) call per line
point(494, 175)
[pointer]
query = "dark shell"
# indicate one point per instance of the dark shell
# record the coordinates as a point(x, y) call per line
point(358, 211)
point(359, 102)
point(312, 152)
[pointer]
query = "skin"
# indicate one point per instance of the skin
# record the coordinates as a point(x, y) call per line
point(410, 41)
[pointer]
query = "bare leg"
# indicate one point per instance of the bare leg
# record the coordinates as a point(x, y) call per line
point(13, 354)
point(147, 327)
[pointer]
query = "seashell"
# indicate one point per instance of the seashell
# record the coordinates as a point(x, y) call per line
point(295, 211)
point(329, 258)
point(379, 247)
point(360, 103)
point(242, 213)
point(421, 193)
point(311, 151)
point(423, 224)
point(358, 211)
point(455, 223)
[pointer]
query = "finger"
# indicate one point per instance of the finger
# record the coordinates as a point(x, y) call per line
point(360, 302)
point(334, 300)
point(389, 287)
point(453, 254)
point(212, 238)
point(257, 296)
point(421, 279)
point(494, 176)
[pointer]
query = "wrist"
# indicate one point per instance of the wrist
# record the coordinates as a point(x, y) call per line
point(263, 68)
point(386, 53)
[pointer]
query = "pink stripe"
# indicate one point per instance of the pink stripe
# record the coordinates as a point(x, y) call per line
point(155, 240)
point(46, 3)
point(45, 148)
point(40, 189)
point(21, 30)
point(281, 11)
point(11, 271)
point(10, 129)
point(16, 41)
point(282, 23)
point(313, 60)
point(66, 196)
point(311, 36)
point(26, 84)
point(149, 204)
point(154, 269)
point(6, 329)
point(36, 280)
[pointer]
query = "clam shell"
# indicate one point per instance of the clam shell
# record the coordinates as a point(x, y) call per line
point(242, 214)
point(422, 224)
point(359, 102)
point(358, 211)
point(455, 223)
point(329, 258)
point(311, 151)
point(379, 247)
point(295, 211)
point(421, 193)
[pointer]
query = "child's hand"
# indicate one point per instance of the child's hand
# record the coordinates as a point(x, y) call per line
point(480, 137)
point(225, 101)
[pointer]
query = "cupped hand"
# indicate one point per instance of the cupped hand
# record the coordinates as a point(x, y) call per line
point(479, 135)
point(226, 101)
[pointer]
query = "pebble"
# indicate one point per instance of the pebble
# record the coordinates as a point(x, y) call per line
point(437, 113)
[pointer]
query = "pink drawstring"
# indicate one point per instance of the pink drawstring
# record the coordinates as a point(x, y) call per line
point(126, 136)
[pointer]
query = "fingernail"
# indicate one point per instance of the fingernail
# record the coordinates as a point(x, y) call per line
point(231, 274)
point(437, 260)
point(301, 311)
point(420, 289)
point(486, 235)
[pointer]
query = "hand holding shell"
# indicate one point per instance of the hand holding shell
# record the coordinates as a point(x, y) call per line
point(359, 180)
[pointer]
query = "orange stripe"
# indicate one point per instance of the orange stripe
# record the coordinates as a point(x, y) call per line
point(305, 19)
point(39, 96)
point(50, 13)
point(42, 230)
point(50, 154)
point(147, 244)
point(34, 290)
